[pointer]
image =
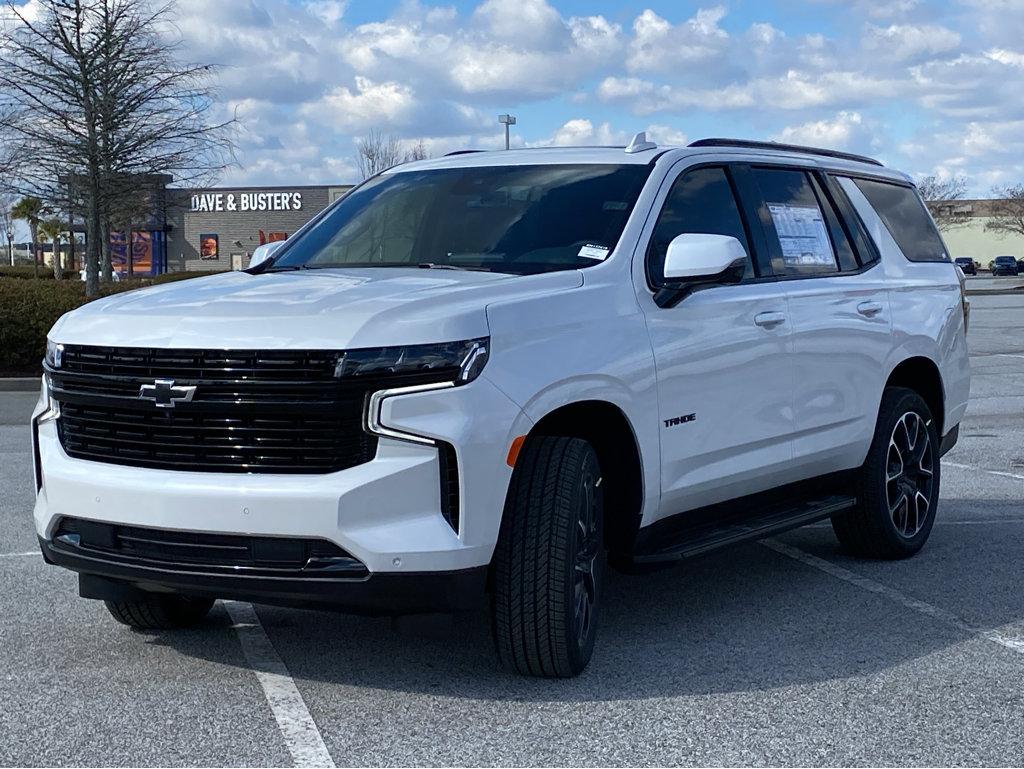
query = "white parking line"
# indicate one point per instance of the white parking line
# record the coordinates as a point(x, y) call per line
point(1000, 473)
point(1012, 642)
point(976, 522)
point(982, 522)
point(20, 555)
point(297, 726)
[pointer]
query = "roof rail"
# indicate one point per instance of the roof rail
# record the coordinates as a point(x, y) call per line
point(461, 152)
point(756, 145)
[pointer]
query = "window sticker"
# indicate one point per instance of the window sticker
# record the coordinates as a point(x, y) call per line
point(802, 234)
point(590, 251)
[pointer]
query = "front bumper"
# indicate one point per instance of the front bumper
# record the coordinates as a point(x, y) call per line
point(108, 578)
point(385, 512)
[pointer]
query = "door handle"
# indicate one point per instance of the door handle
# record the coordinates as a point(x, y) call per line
point(769, 319)
point(869, 309)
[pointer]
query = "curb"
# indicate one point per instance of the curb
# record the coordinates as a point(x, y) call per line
point(27, 384)
point(996, 292)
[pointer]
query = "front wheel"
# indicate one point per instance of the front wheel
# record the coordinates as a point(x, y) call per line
point(898, 484)
point(549, 560)
point(160, 611)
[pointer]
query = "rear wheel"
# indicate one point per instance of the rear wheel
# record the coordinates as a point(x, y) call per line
point(898, 485)
point(549, 560)
point(160, 611)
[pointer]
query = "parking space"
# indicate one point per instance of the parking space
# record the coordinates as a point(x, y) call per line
point(782, 652)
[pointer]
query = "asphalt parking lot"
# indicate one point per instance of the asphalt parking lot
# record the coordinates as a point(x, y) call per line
point(781, 652)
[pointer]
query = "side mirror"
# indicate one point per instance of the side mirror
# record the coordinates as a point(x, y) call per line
point(696, 260)
point(264, 252)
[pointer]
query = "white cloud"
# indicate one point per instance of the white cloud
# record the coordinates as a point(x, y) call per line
point(521, 22)
point(1004, 56)
point(846, 130)
point(369, 105)
point(307, 80)
point(658, 46)
point(907, 42)
point(582, 132)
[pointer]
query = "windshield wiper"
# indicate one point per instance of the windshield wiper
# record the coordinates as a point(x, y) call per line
point(287, 268)
point(435, 266)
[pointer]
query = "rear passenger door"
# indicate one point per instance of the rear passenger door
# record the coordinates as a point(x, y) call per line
point(839, 311)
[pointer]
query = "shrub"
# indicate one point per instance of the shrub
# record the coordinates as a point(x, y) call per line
point(29, 308)
point(27, 271)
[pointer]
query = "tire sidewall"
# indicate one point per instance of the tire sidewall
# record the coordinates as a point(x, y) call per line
point(580, 654)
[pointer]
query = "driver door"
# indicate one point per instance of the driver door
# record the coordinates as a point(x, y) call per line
point(723, 358)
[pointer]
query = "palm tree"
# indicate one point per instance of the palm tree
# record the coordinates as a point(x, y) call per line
point(31, 210)
point(52, 229)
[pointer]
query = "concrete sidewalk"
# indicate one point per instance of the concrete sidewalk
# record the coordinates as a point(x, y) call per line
point(19, 384)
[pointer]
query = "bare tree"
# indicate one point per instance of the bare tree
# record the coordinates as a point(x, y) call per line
point(1007, 210)
point(97, 97)
point(941, 196)
point(417, 151)
point(7, 224)
point(376, 152)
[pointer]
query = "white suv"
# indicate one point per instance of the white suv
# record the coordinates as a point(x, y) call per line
point(485, 376)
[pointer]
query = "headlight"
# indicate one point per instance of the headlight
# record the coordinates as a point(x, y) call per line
point(54, 353)
point(458, 362)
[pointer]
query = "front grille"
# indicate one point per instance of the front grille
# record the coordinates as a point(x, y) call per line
point(252, 411)
point(187, 550)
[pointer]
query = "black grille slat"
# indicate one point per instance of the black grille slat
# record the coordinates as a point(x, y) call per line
point(279, 411)
point(299, 557)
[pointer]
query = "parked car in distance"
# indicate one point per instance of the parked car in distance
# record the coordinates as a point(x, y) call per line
point(475, 381)
point(1005, 265)
point(966, 264)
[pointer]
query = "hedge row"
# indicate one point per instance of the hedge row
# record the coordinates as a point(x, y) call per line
point(28, 271)
point(29, 308)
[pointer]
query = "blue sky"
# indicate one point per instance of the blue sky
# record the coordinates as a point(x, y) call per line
point(929, 86)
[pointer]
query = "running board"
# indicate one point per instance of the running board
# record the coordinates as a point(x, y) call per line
point(773, 520)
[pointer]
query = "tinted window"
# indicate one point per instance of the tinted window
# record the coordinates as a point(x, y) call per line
point(700, 201)
point(841, 242)
point(517, 219)
point(907, 220)
point(798, 231)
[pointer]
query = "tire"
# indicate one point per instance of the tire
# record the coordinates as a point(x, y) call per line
point(160, 611)
point(549, 561)
point(897, 487)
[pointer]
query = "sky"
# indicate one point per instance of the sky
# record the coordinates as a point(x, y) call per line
point(928, 86)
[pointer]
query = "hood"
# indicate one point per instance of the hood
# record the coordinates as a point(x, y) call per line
point(315, 309)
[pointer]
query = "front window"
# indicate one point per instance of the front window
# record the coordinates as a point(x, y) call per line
point(512, 219)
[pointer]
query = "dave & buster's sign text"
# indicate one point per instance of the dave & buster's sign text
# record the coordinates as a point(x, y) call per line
point(247, 201)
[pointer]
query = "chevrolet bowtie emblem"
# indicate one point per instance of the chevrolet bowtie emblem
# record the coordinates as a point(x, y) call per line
point(164, 393)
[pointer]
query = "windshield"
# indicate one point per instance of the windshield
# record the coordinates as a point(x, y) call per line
point(1005, 259)
point(515, 219)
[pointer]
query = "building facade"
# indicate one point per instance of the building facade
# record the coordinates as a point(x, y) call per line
point(218, 228)
point(972, 239)
point(213, 229)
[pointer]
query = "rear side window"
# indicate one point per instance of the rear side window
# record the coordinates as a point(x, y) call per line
point(798, 229)
point(907, 220)
point(700, 201)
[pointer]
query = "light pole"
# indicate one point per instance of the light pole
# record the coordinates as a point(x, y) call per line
point(507, 120)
